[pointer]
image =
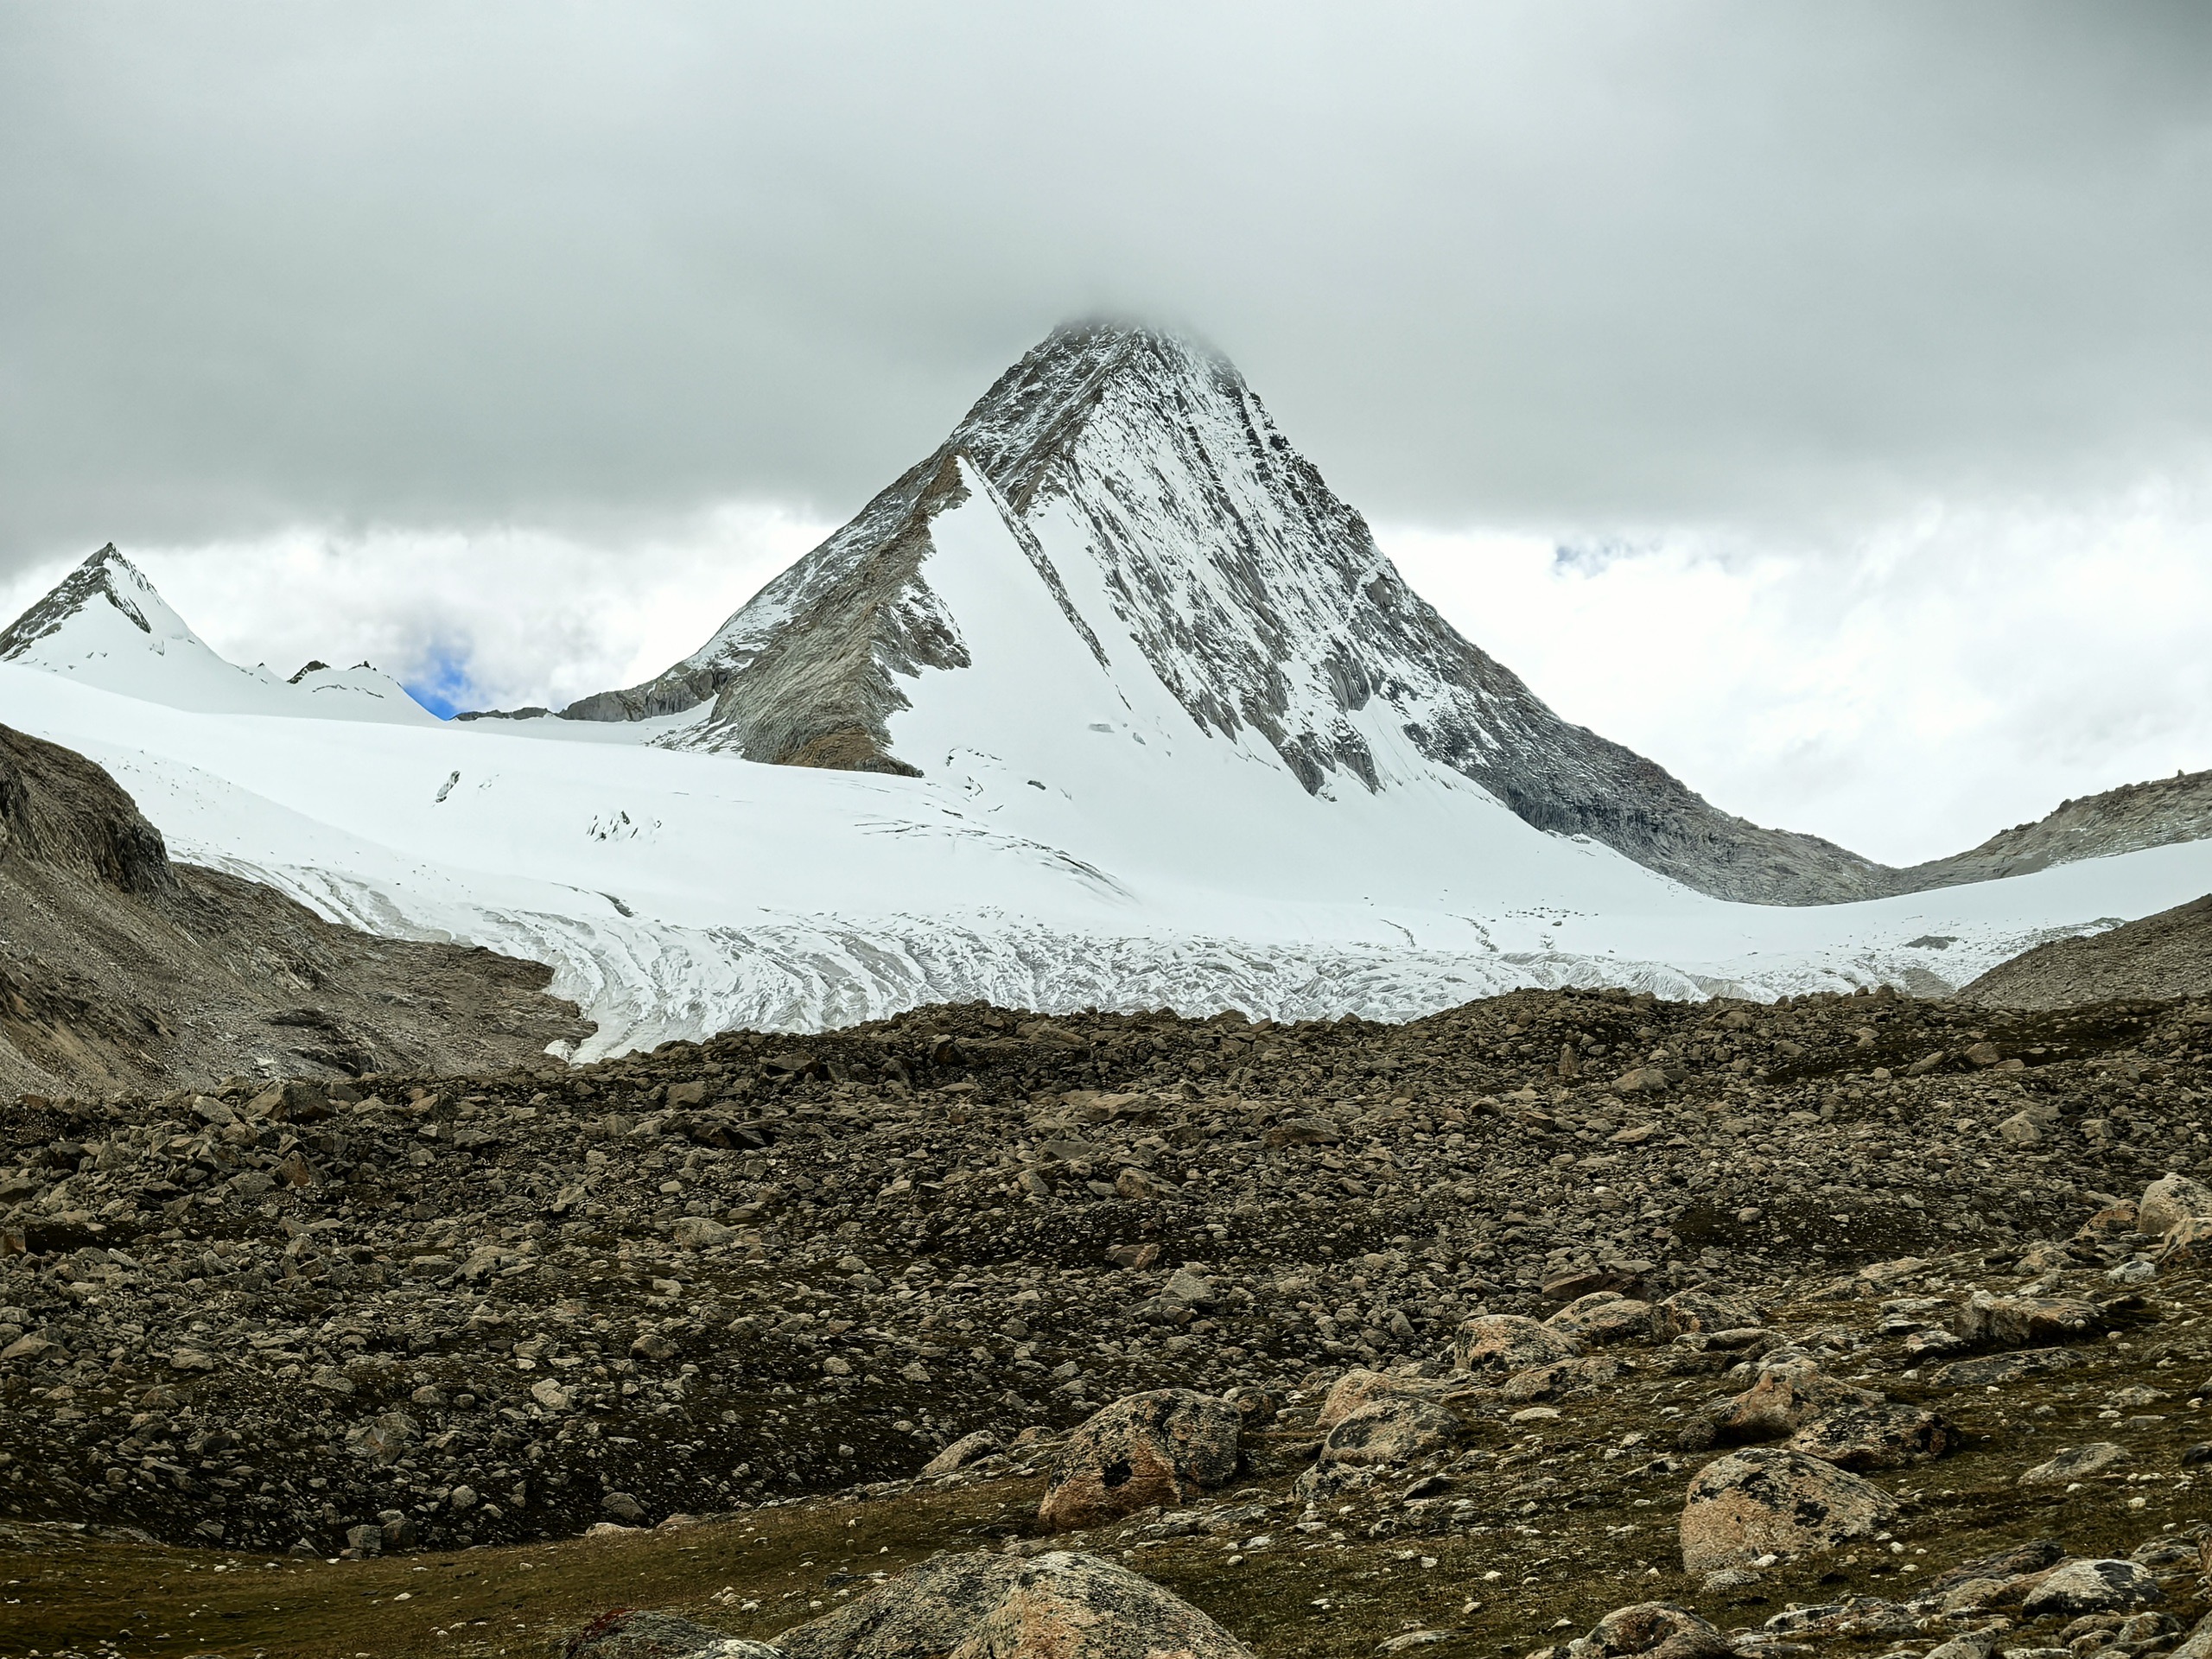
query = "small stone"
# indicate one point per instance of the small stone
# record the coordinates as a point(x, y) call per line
point(623, 1507)
point(2076, 1463)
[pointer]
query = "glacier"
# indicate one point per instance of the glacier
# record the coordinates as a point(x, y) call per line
point(1074, 840)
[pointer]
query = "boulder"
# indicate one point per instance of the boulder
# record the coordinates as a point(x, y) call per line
point(1852, 1428)
point(2076, 1463)
point(2004, 1565)
point(1781, 1401)
point(2004, 1368)
point(1191, 1289)
point(962, 1453)
point(1768, 1500)
point(2023, 1321)
point(700, 1233)
point(628, 1633)
point(2098, 1586)
point(1498, 1344)
point(1393, 1429)
point(1357, 1388)
point(1561, 1378)
point(1702, 1310)
point(1651, 1629)
point(1602, 1318)
point(974, 1605)
point(1164, 1446)
point(2188, 1240)
point(1877, 1436)
point(2171, 1199)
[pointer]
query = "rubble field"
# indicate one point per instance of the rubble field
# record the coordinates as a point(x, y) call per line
point(1463, 1333)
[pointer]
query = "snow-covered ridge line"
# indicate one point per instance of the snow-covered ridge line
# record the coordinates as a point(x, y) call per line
point(105, 624)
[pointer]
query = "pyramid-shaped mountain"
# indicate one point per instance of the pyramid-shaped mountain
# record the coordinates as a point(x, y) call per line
point(1156, 502)
point(104, 624)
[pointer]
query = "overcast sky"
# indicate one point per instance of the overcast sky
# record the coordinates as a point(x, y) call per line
point(1861, 354)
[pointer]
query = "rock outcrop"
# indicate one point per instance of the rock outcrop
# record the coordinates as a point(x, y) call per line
point(120, 968)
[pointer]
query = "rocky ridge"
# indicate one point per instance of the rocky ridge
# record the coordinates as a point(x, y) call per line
point(1504, 1289)
point(120, 968)
point(2167, 955)
point(2158, 813)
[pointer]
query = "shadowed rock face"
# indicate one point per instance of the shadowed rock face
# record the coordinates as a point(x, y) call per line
point(119, 966)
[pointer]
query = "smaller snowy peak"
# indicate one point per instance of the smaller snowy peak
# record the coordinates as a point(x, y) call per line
point(105, 624)
point(106, 590)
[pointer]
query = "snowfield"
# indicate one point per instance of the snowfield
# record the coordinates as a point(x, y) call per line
point(1077, 841)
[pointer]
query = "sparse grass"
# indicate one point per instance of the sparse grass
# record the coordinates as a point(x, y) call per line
point(1602, 1536)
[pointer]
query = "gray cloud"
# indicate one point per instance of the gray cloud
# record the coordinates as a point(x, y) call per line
point(1581, 266)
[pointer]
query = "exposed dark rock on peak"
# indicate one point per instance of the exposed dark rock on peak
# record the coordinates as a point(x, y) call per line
point(106, 575)
point(1256, 595)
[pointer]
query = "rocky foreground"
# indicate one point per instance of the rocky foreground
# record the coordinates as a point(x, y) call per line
point(1481, 1330)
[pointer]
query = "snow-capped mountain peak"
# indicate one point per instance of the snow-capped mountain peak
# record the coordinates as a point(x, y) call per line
point(106, 590)
point(106, 625)
point(1191, 551)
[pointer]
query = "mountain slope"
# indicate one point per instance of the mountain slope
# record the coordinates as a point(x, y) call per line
point(1140, 471)
point(2167, 955)
point(2158, 813)
point(119, 966)
point(105, 624)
